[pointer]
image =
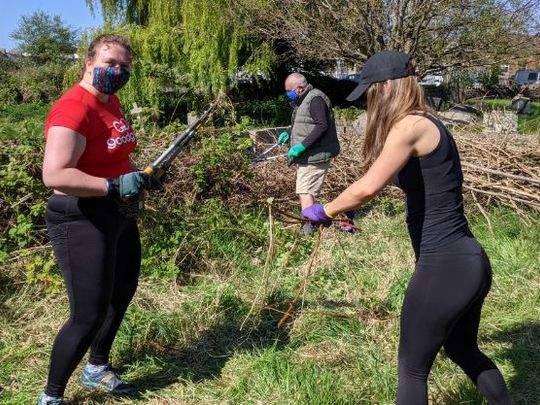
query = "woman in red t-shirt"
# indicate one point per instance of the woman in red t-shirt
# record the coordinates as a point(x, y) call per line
point(95, 240)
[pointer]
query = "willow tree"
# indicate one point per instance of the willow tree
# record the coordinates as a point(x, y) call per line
point(184, 45)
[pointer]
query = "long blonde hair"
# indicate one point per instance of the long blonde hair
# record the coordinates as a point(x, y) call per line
point(385, 110)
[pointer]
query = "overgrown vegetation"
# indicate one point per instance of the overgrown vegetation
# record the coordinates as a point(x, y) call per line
point(182, 340)
point(45, 52)
point(22, 194)
point(186, 338)
point(203, 328)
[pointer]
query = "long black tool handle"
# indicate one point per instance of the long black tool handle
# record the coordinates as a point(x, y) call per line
point(165, 160)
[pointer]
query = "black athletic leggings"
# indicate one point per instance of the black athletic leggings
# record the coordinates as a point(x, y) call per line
point(442, 307)
point(99, 254)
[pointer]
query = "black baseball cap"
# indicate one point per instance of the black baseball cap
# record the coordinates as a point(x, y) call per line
point(382, 66)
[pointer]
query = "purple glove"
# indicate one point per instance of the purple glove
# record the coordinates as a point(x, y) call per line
point(316, 215)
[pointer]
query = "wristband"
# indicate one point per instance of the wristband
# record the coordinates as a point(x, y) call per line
point(326, 212)
point(112, 187)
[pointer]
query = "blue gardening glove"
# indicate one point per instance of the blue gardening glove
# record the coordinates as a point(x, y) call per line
point(128, 185)
point(316, 215)
point(283, 138)
point(132, 184)
point(296, 150)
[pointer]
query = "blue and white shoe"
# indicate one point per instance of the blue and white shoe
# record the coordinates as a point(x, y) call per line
point(104, 379)
point(47, 400)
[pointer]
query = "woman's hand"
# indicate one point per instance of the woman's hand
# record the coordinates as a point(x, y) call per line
point(132, 184)
point(317, 215)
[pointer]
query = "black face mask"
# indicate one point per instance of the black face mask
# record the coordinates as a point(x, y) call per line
point(109, 80)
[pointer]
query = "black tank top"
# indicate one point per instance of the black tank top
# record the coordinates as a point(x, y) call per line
point(433, 187)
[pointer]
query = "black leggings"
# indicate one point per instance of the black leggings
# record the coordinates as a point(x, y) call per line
point(99, 254)
point(442, 307)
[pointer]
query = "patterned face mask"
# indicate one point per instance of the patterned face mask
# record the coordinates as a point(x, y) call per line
point(109, 80)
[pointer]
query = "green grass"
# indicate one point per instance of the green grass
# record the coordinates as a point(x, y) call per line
point(182, 341)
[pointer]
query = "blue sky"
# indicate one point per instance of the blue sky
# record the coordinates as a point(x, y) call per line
point(74, 13)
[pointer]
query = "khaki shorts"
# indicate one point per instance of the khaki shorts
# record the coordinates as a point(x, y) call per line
point(310, 178)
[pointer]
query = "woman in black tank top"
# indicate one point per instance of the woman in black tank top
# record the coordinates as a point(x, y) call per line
point(443, 301)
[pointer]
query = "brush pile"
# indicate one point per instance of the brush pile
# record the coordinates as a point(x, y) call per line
point(498, 169)
point(501, 169)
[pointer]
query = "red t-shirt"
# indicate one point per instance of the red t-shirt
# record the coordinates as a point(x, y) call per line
point(109, 137)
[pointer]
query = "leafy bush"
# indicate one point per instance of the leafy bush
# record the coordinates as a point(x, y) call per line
point(27, 82)
point(348, 114)
point(21, 189)
point(21, 112)
point(23, 194)
point(9, 93)
point(266, 112)
point(221, 162)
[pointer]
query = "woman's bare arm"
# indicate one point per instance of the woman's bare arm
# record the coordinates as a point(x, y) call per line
point(63, 150)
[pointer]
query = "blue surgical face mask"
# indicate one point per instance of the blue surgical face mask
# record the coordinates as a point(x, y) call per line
point(292, 96)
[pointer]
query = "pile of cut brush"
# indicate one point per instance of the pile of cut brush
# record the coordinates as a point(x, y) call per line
point(498, 169)
point(501, 169)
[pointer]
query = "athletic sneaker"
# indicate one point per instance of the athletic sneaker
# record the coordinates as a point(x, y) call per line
point(47, 400)
point(103, 378)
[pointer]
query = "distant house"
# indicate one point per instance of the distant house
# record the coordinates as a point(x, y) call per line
point(531, 62)
point(7, 55)
point(346, 71)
